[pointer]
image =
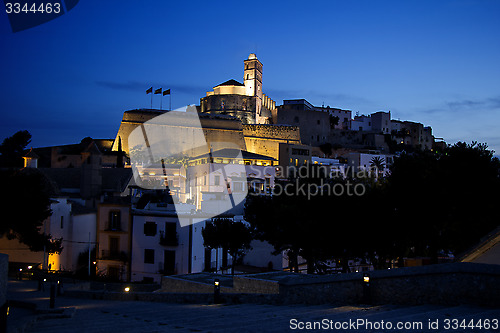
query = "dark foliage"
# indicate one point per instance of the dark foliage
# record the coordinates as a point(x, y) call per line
point(25, 204)
point(12, 149)
point(431, 203)
point(233, 237)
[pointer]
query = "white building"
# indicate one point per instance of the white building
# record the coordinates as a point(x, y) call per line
point(213, 180)
point(160, 246)
point(381, 122)
point(366, 161)
point(361, 123)
point(70, 221)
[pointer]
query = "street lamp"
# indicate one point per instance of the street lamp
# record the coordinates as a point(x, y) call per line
point(366, 288)
point(216, 291)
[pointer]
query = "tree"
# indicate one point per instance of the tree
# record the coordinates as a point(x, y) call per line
point(378, 163)
point(334, 120)
point(444, 201)
point(12, 149)
point(25, 198)
point(305, 225)
point(326, 149)
point(25, 205)
point(430, 203)
point(233, 237)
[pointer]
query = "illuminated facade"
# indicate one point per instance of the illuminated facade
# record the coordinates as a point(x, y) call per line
point(244, 101)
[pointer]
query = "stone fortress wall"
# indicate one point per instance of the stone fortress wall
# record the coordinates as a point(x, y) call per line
point(255, 138)
point(217, 129)
point(265, 139)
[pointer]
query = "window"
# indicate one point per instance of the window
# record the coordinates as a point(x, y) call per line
point(150, 228)
point(114, 220)
point(149, 256)
point(62, 222)
point(205, 180)
point(114, 244)
point(318, 121)
point(238, 187)
point(170, 229)
point(217, 180)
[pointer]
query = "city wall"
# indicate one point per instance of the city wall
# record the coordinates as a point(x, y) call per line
point(265, 139)
point(216, 128)
point(241, 284)
point(447, 284)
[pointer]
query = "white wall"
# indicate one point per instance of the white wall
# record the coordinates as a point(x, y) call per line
point(72, 230)
point(363, 123)
point(363, 161)
point(261, 255)
point(140, 242)
point(82, 225)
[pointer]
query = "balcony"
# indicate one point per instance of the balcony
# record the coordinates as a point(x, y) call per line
point(114, 255)
point(171, 239)
point(113, 227)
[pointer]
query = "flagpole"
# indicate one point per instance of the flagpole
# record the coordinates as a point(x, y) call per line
point(150, 91)
point(161, 101)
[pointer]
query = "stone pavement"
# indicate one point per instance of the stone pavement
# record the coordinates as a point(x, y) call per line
point(84, 315)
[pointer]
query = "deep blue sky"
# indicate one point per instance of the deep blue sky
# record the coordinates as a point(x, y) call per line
point(435, 62)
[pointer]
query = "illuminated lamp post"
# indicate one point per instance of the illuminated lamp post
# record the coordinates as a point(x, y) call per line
point(216, 291)
point(366, 288)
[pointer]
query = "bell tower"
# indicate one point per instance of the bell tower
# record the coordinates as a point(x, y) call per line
point(253, 81)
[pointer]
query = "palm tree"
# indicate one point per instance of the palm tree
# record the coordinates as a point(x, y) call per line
point(379, 164)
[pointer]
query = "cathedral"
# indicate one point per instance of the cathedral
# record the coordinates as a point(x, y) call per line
point(234, 112)
point(245, 101)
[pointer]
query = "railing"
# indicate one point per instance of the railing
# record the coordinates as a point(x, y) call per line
point(113, 227)
point(169, 239)
point(163, 271)
point(114, 255)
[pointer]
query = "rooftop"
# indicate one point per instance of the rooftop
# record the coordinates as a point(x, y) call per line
point(231, 82)
point(233, 153)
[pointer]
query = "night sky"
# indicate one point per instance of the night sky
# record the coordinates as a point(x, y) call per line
point(434, 62)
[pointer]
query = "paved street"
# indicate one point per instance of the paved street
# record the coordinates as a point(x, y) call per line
point(114, 316)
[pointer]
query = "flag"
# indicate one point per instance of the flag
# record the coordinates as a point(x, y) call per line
point(158, 91)
point(150, 90)
point(166, 92)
